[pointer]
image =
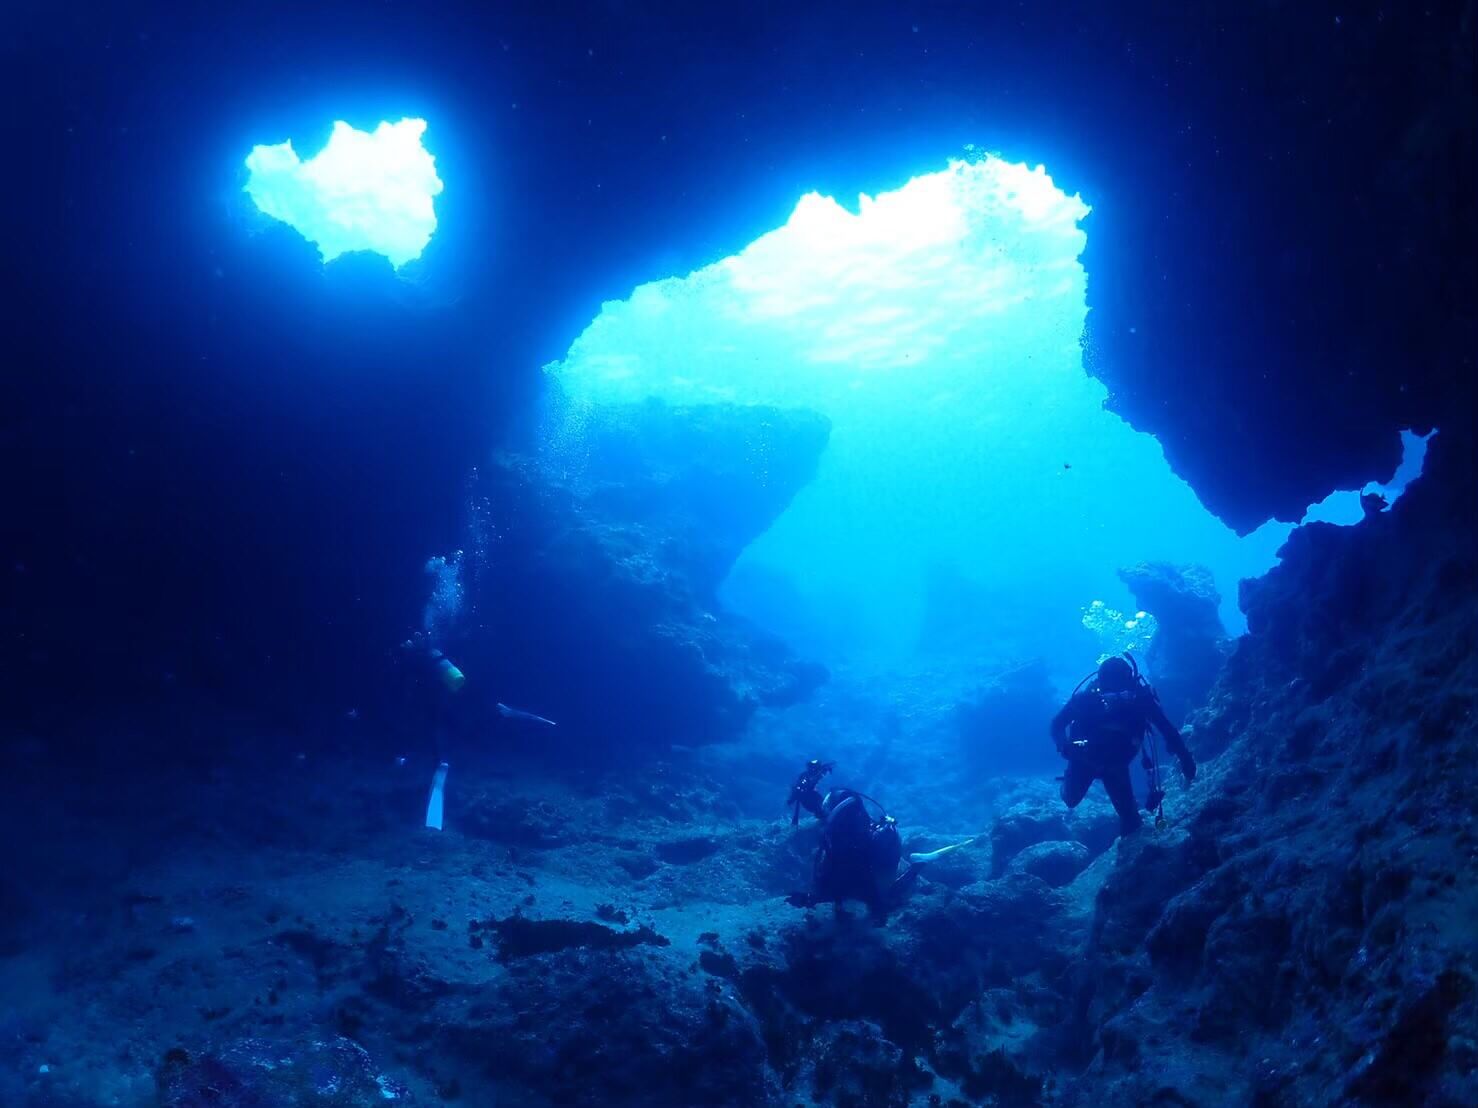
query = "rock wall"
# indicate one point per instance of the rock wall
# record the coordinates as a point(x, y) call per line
point(1190, 643)
point(1302, 934)
point(597, 591)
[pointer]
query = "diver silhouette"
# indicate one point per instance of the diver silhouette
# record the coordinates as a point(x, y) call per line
point(859, 855)
point(435, 680)
point(1100, 730)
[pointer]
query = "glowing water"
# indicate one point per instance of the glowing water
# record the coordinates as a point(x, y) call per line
point(362, 191)
point(939, 328)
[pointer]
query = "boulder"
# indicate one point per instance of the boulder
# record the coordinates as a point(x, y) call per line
point(1057, 863)
point(598, 1025)
point(1025, 824)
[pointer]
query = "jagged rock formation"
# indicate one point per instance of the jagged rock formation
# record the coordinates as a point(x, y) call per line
point(606, 562)
point(1287, 406)
point(1190, 643)
point(1303, 936)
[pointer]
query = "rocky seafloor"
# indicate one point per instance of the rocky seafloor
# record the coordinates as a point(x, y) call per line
point(260, 919)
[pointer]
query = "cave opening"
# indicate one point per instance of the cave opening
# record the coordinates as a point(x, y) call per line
point(976, 497)
point(364, 191)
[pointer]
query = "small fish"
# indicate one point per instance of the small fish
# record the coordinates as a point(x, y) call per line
point(352, 714)
point(529, 717)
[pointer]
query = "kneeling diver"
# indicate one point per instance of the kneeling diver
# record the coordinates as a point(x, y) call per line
point(1103, 726)
point(858, 856)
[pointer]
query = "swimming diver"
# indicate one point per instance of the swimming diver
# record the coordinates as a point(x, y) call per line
point(1103, 726)
point(858, 856)
point(435, 681)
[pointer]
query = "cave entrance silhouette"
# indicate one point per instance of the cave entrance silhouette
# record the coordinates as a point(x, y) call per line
point(973, 473)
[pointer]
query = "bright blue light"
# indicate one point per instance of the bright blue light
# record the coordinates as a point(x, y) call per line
point(1344, 507)
point(362, 191)
point(939, 328)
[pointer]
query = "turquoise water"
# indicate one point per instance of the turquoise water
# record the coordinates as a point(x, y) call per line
point(939, 327)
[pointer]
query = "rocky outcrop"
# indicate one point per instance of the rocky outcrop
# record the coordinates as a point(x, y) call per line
point(1190, 643)
point(603, 554)
point(612, 1027)
point(1309, 910)
point(1034, 815)
point(1056, 863)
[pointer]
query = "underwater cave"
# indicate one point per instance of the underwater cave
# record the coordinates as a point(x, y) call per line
point(365, 190)
point(938, 327)
point(637, 579)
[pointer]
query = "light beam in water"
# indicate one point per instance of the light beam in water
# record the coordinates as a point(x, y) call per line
point(940, 330)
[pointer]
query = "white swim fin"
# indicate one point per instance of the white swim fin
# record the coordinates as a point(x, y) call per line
point(919, 859)
point(435, 805)
point(528, 717)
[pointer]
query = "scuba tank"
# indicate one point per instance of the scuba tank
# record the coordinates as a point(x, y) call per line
point(450, 676)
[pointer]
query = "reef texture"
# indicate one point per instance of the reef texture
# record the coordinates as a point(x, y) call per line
point(603, 561)
point(1303, 934)
point(1299, 934)
point(1190, 643)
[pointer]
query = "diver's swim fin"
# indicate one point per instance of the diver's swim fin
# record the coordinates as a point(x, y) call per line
point(919, 859)
point(436, 803)
point(528, 717)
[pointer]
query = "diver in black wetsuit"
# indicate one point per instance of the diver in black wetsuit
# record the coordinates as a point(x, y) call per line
point(434, 681)
point(1100, 730)
point(858, 856)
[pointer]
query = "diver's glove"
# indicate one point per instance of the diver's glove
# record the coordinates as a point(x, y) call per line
point(1188, 766)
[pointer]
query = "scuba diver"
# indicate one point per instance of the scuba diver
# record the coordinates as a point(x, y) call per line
point(435, 680)
point(1103, 726)
point(858, 856)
